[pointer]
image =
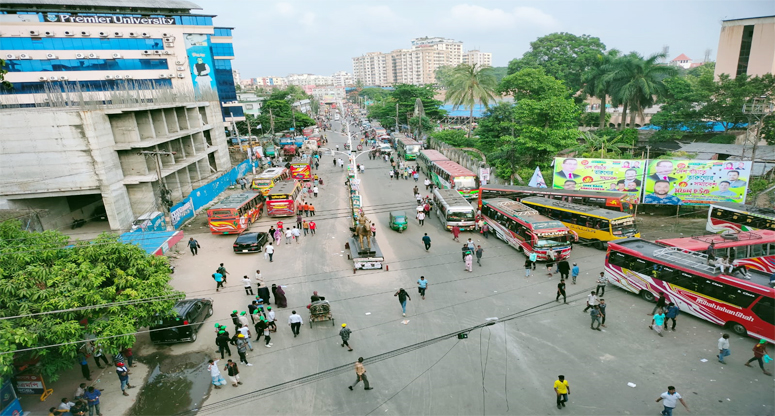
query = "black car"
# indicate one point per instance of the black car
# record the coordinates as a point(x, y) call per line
point(250, 242)
point(188, 317)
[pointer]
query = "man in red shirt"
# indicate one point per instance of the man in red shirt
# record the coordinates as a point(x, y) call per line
point(312, 227)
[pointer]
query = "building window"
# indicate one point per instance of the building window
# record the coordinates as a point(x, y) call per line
point(222, 49)
point(222, 31)
point(745, 50)
point(84, 44)
point(68, 65)
point(89, 86)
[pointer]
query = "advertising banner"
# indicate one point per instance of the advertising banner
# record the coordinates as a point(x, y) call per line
point(617, 175)
point(696, 182)
point(200, 60)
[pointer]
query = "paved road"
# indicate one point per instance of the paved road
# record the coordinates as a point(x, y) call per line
point(505, 368)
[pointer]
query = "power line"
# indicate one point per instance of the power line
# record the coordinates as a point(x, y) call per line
point(100, 306)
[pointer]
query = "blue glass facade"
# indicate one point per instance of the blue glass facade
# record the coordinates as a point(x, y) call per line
point(222, 49)
point(222, 31)
point(74, 43)
point(84, 65)
point(40, 87)
point(235, 111)
point(224, 80)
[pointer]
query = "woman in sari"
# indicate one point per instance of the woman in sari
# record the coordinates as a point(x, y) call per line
point(277, 235)
point(469, 261)
point(279, 296)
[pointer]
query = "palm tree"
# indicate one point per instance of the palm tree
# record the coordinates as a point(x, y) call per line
point(469, 84)
point(600, 146)
point(596, 80)
point(638, 82)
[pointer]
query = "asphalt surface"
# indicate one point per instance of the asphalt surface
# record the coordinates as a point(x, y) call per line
point(416, 364)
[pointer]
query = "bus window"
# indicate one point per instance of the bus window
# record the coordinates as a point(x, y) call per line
point(687, 281)
point(602, 225)
point(642, 266)
point(757, 250)
point(618, 259)
point(765, 309)
point(667, 274)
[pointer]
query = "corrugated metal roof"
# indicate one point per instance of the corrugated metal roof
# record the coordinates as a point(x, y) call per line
point(762, 152)
point(133, 4)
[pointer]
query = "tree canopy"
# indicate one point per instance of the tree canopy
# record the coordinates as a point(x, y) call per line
point(405, 96)
point(42, 272)
point(468, 85)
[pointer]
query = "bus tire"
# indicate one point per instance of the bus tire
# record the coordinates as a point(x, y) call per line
point(647, 296)
point(737, 328)
point(598, 245)
point(520, 249)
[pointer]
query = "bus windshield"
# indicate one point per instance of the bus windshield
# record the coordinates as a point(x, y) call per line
point(624, 227)
point(413, 148)
point(465, 182)
point(263, 182)
point(222, 213)
point(552, 241)
point(460, 216)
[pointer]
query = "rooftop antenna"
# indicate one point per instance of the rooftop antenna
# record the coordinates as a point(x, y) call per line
point(707, 55)
point(666, 52)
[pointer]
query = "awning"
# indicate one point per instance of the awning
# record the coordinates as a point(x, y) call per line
point(153, 242)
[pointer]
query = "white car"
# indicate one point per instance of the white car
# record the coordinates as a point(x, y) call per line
point(385, 149)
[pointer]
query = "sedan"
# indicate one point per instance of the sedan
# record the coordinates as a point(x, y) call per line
point(250, 242)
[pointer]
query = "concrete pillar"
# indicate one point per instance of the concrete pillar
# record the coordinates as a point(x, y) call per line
point(142, 198)
point(180, 113)
point(124, 128)
point(159, 124)
point(145, 125)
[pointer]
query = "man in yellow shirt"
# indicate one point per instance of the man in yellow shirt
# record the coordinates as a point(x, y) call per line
point(562, 389)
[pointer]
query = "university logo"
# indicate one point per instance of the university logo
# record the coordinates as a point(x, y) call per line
point(52, 17)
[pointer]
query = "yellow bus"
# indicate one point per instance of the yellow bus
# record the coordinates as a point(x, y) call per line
point(594, 225)
point(268, 178)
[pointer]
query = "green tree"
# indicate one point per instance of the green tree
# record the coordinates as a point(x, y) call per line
point(3, 70)
point(284, 118)
point(545, 127)
point(596, 81)
point(601, 146)
point(43, 272)
point(532, 83)
point(562, 55)
point(424, 124)
point(373, 93)
point(443, 75)
point(500, 72)
point(469, 85)
point(679, 112)
point(498, 121)
point(454, 138)
point(724, 98)
point(405, 96)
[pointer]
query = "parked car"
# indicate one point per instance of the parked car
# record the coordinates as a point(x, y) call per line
point(250, 242)
point(186, 320)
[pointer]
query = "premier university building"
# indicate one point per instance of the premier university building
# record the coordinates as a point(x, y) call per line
point(104, 94)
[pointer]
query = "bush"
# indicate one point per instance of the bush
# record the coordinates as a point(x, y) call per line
point(592, 119)
point(723, 139)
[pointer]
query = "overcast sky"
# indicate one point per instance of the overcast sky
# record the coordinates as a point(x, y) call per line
point(321, 36)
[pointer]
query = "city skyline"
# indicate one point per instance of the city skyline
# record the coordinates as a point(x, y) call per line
point(322, 37)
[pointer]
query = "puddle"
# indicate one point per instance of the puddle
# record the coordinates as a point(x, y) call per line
point(177, 383)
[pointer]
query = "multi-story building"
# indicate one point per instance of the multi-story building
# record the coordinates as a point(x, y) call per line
point(453, 47)
point(372, 69)
point(235, 75)
point(746, 46)
point(477, 57)
point(328, 94)
point(309, 79)
point(116, 107)
point(343, 79)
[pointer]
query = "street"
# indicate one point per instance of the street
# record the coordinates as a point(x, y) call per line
point(506, 368)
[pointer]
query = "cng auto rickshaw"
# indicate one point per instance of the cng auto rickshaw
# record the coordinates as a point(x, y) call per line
point(398, 221)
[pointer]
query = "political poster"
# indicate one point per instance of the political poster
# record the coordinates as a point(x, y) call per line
point(200, 60)
point(696, 182)
point(616, 175)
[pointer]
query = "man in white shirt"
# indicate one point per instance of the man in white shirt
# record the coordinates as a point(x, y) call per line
point(591, 300)
point(421, 217)
point(295, 322)
point(723, 348)
point(296, 234)
point(244, 330)
point(269, 251)
point(427, 183)
point(248, 285)
point(671, 398)
point(270, 318)
point(65, 405)
point(288, 236)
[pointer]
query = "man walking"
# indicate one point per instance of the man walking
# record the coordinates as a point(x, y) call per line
point(533, 257)
point(288, 235)
point(344, 333)
point(295, 322)
point(564, 267)
point(528, 265)
point(479, 252)
point(671, 398)
point(562, 389)
point(427, 241)
point(421, 218)
point(360, 372)
point(123, 377)
point(561, 291)
point(269, 250)
point(723, 348)
point(672, 313)
point(222, 271)
point(601, 282)
point(759, 351)
point(248, 285)
point(602, 305)
point(402, 297)
point(657, 321)
point(595, 315)
point(422, 284)
point(222, 341)
point(661, 301)
point(218, 281)
point(574, 272)
point(193, 245)
point(233, 371)
point(92, 396)
point(242, 349)
point(591, 301)
point(296, 234)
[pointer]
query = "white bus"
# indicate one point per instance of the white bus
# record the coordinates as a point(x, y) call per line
point(452, 209)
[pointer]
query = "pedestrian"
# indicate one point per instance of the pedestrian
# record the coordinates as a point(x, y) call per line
point(296, 234)
point(271, 319)
point(549, 262)
point(123, 377)
point(288, 235)
point(591, 300)
point(222, 271)
point(245, 331)
point(373, 230)
point(305, 227)
point(564, 267)
point(242, 349)
point(671, 313)
point(661, 301)
point(218, 281)
point(533, 257)
point(233, 371)
point(235, 320)
point(455, 233)
point(595, 314)
point(299, 219)
point(574, 272)
point(215, 374)
point(65, 405)
point(602, 305)
point(241, 182)
point(248, 285)
point(222, 341)
point(278, 234)
point(194, 246)
point(528, 265)
point(421, 217)
point(344, 333)
point(92, 397)
point(422, 285)
point(479, 223)
point(657, 321)
point(305, 207)
point(759, 351)
point(312, 226)
point(470, 245)
point(427, 241)
point(295, 322)
point(601, 282)
point(84, 366)
point(415, 176)
point(80, 391)
point(469, 259)
point(99, 354)
point(671, 398)
point(269, 250)
point(723, 348)
point(562, 389)
point(486, 230)
point(315, 193)
point(312, 209)
point(561, 291)
point(267, 335)
point(360, 373)
point(402, 297)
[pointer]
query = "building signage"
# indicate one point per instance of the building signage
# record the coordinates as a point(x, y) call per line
point(615, 175)
point(30, 384)
point(115, 19)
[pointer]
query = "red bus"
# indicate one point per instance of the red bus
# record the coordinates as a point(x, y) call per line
point(724, 217)
point(446, 174)
point(308, 131)
point(686, 279)
point(526, 230)
point(426, 158)
point(235, 213)
point(617, 201)
point(753, 249)
point(301, 169)
point(282, 199)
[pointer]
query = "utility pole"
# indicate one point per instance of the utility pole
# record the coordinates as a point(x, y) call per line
point(396, 117)
point(164, 194)
point(271, 122)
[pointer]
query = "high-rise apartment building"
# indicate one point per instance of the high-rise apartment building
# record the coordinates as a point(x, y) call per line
point(477, 57)
point(343, 79)
point(372, 69)
point(746, 46)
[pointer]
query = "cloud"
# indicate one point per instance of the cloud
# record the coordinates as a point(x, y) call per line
point(307, 19)
point(285, 9)
point(467, 16)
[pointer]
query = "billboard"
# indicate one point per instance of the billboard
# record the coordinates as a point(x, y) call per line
point(696, 182)
point(200, 60)
point(621, 175)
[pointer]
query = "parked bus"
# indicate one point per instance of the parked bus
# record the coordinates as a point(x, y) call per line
point(453, 210)
point(408, 148)
point(301, 168)
point(235, 213)
point(268, 178)
point(752, 249)
point(426, 158)
point(685, 278)
point(446, 174)
point(617, 201)
point(596, 226)
point(307, 131)
point(725, 217)
point(526, 230)
point(282, 199)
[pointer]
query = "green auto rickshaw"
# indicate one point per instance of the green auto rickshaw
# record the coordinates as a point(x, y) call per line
point(398, 221)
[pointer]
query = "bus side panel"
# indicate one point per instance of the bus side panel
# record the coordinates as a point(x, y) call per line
point(506, 235)
point(765, 264)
